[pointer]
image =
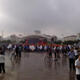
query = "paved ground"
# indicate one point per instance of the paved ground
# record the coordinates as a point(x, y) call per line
point(36, 66)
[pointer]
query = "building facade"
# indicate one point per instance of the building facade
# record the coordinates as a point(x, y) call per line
point(78, 36)
point(70, 38)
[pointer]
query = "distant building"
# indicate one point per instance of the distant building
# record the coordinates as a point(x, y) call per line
point(34, 39)
point(70, 38)
point(13, 38)
point(49, 37)
point(78, 36)
point(37, 32)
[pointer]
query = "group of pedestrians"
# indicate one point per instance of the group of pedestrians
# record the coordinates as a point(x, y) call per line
point(73, 53)
point(74, 60)
point(15, 52)
point(18, 51)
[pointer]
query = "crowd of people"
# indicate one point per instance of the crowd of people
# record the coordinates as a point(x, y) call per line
point(70, 51)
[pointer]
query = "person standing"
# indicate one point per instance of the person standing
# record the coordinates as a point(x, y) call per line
point(2, 61)
point(71, 55)
point(55, 52)
point(77, 65)
point(20, 50)
point(17, 51)
point(50, 52)
point(3, 49)
point(76, 53)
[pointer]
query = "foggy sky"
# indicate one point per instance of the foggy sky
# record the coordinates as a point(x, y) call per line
point(55, 17)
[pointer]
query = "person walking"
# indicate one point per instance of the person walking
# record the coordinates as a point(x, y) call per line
point(77, 65)
point(71, 55)
point(2, 61)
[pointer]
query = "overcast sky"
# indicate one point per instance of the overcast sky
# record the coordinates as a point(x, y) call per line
point(55, 17)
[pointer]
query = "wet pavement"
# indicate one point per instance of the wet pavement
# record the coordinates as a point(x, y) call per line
point(36, 66)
